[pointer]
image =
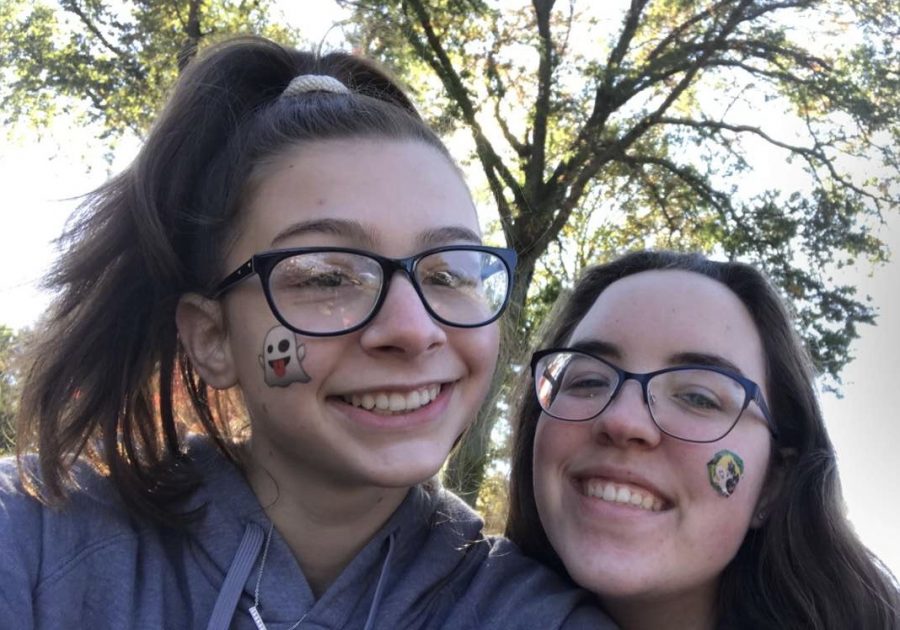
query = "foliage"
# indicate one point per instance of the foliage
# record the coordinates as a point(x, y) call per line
point(606, 127)
point(10, 370)
point(109, 62)
point(493, 501)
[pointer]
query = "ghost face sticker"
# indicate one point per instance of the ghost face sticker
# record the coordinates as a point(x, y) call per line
point(281, 358)
point(725, 470)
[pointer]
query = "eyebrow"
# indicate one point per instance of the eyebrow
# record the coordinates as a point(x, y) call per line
point(448, 234)
point(610, 350)
point(352, 230)
point(595, 346)
point(355, 231)
point(704, 359)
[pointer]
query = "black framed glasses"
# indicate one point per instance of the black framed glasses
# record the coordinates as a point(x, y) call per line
point(694, 403)
point(328, 291)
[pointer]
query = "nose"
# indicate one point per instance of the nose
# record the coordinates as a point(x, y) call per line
point(626, 421)
point(402, 325)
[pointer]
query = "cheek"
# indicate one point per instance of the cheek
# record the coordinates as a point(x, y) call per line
point(554, 442)
point(248, 322)
point(546, 445)
point(726, 484)
point(486, 344)
point(479, 349)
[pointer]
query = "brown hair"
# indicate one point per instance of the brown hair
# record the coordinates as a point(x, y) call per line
point(108, 365)
point(787, 573)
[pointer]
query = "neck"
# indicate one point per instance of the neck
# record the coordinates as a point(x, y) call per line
point(694, 611)
point(325, 524)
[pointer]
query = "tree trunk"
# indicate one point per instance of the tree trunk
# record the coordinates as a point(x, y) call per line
point(192, 36)
point(468, 463)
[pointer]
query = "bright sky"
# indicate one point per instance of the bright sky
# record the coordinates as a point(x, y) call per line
point(39, 178)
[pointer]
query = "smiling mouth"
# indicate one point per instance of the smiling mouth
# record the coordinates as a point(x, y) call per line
point(387, 402)
point(622, 493)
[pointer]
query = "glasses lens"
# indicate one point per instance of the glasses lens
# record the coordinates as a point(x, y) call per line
point(325, 292)
point(462, 286)
point(695, 404)
point(573, 386)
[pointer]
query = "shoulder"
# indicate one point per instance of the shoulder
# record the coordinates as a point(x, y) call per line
point(494, 585)
point(39, 539)
point(46, 550)
point(518, 592)
point(20, 522)
point(57, 562)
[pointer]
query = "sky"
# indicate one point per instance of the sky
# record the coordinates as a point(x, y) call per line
point(42, 178)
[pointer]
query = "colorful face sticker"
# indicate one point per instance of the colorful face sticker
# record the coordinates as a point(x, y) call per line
point(725, 470)
point(281, 358)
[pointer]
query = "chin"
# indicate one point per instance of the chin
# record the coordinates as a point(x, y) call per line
point(407, 472)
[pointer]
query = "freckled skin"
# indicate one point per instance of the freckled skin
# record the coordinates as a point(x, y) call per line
point(644, 562)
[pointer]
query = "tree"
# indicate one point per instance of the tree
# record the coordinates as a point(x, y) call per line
point(599, 127)
point(598, 135)
point(110, 62)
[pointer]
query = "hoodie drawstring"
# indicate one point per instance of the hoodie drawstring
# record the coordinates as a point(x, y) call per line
point(379, 587)
point(238, 574)
point(242, 564)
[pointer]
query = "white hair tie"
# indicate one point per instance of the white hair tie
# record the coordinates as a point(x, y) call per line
point(314, 83)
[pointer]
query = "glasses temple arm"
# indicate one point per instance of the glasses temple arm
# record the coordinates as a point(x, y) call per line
point(761, 403)
point(233, 278)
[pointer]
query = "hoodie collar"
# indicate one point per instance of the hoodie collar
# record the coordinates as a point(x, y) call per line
point(229, 507)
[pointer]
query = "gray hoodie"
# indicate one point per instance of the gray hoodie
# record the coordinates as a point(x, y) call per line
point(93, 565)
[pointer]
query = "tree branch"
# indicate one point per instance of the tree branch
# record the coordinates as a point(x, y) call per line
point(715, 198)
point(191, 42)
point(72, 7)
point(498, 175)
point(534, 171)
point(495, 85)
point(814, 156)
point(586, 144)
point(604, 100)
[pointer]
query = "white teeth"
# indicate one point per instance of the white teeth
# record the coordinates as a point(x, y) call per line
point(392, 402)
point(609, 493)
point(619, 493)
point(397, 402)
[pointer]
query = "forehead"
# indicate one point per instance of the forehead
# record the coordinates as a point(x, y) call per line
point(653, 315)
point(373, 193)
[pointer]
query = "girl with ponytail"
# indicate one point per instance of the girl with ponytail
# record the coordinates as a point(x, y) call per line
point(294, 254)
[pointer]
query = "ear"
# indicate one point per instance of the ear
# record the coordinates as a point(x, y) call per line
point(783, 459)
point(202, 332)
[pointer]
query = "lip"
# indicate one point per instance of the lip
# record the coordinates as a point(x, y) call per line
point(397, 421)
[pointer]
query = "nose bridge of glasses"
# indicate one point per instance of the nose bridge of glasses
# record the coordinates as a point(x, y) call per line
point(406, 268)
point(641, 383)
point(642, 380)
point(627, 417)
